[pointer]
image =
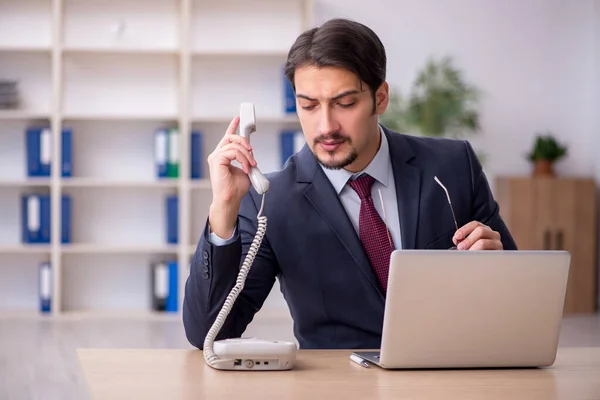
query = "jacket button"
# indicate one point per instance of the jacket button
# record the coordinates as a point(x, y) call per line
point(205, 275)
point(205, 254)
point(205, 262)
point(205, 269)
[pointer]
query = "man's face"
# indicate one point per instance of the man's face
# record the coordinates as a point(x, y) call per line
point(336, 113)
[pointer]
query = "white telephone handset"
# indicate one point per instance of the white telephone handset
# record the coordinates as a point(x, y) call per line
point(247, 127)
point(247, 353)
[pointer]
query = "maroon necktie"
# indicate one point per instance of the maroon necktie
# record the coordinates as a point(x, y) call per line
point(372, 230)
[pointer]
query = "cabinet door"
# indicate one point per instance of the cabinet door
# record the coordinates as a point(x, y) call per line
point(576, 233)
point(564, 236)
point(546, 210)
point(516, 198)
point(556, 214)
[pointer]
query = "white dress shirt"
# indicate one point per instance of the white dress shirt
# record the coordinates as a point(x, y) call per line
point(384, 188)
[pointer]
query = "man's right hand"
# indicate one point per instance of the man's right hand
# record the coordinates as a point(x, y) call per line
point(229, 183)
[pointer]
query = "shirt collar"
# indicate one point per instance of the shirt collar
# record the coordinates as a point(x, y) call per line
point(377, 168)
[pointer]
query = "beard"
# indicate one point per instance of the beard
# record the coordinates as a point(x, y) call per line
point(332, 163)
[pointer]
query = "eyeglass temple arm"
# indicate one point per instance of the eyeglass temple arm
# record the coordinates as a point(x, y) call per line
point(449, 201)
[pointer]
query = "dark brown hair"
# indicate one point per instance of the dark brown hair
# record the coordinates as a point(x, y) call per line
point(340, 43)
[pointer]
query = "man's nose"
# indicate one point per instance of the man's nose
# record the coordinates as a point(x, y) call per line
point(327, 123)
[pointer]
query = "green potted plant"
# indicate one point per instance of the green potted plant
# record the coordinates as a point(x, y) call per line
point(441, 103)
point(545, 153)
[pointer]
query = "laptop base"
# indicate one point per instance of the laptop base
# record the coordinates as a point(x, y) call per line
point(370, 356)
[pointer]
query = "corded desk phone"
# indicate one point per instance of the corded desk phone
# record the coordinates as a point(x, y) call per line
point(247, 353)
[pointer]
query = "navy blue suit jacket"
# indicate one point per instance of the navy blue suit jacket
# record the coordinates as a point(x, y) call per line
point(313, 249)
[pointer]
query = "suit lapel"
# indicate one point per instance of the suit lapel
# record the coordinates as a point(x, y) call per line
point(323, 198)
point(407, 179)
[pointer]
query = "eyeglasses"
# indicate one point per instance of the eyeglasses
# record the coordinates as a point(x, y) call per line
point(450, 203)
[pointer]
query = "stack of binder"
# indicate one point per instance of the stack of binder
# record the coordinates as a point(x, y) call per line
point(164, 286)
point(36, 220)
point(166, 157)
point(39, 152)
point(9, 94)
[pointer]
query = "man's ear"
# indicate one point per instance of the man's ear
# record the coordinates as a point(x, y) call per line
point(382, 98)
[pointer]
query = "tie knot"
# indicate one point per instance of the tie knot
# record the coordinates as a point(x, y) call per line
point(362, 185)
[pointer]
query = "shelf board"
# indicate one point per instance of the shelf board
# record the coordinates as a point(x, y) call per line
point(200, 184)
point(282, 119)
point(9, 115)
point(25, 249)
point(107, 183)
point(123, 117)
point(99, 248)
point(240, 53)
point(28, 182)
point(119, 50)
point(25, 49)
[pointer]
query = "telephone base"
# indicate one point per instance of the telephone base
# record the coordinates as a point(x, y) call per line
point(251, 354)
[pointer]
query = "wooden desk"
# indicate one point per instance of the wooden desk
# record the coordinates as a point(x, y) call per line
point(182, 374)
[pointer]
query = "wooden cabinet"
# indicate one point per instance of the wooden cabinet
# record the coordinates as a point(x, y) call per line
point(556, 214)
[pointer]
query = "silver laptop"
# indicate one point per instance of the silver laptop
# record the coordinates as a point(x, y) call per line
point(472, 309)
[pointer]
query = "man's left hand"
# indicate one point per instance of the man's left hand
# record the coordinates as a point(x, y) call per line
point(477, 236)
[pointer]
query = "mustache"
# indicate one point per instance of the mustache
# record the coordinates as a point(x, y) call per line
point(332, 137)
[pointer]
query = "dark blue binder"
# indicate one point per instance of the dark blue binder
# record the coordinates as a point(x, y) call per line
point(45, 287)
point(67, 156)
point(172, 298)
point(32, 147)
point(36, 218)
point(289, 96)
point(31, 219)
point(197, 156)
point(172, 220)
point(45, 222)
point(65, 216)
point(38, 143)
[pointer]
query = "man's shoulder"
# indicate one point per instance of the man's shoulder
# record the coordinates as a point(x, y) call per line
point(434, 151)
point(433, 145)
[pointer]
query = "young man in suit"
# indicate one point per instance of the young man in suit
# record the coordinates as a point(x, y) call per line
point(328, 239)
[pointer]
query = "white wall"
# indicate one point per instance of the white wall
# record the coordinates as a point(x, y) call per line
point(534, 60)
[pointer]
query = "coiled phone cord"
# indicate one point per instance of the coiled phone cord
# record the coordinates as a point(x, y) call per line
point(209, 355)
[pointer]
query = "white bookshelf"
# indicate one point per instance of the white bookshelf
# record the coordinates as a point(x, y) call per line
point(114, 72)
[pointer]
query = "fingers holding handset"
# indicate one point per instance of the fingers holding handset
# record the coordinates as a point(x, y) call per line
point(229, 183)
point(234, 147)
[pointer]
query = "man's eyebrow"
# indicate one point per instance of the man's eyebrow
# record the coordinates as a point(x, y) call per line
point(337, 97)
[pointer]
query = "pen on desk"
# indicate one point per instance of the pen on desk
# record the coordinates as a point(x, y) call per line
point(359, 360)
